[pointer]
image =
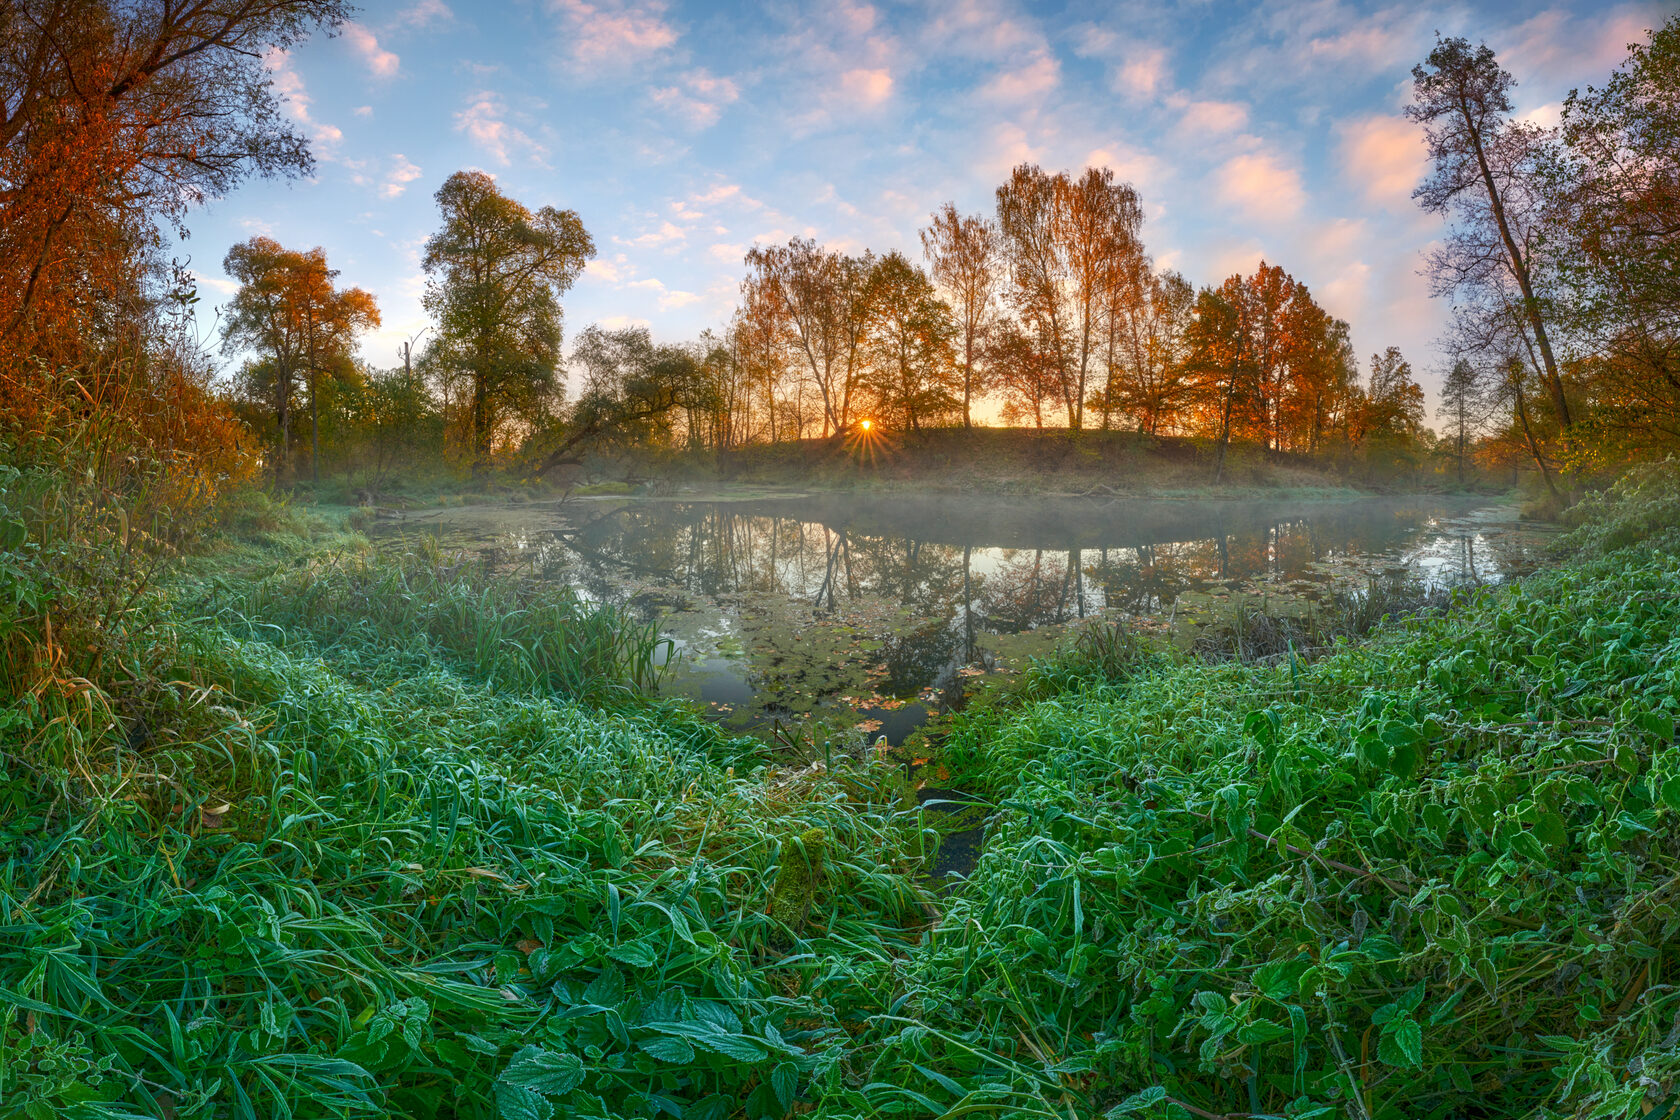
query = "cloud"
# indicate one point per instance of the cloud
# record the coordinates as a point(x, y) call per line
point(380, 61)
point(1261, 186)
point(219, 284)
point(611, 34)
point(484, 120)
point(288, 83)
point(1386, 156)
point(1143, 73)
point(865, 88)
point(402, 173)
point(363, 111)
point(1204, 117)
point(700, 99)
point(426, 13)
point(1027, 82)
point(667, 233)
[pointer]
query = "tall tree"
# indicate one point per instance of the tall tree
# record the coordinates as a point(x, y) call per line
point(962, 253)
point(1099, 222)
point(113, 117)
point(1613, 227)
point(496, 271)
point(1459, 394)
point(909, 344)
point(1485, 168)
point(1067, 242)
point(1029, 223)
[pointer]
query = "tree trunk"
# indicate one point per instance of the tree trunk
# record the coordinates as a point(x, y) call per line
point(1519, 268)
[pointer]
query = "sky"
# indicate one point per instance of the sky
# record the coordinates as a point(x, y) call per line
point(682, 133)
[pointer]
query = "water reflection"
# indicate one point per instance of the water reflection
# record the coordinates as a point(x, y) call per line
point(787, 605)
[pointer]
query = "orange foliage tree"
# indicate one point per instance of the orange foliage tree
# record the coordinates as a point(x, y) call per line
point(287, 309)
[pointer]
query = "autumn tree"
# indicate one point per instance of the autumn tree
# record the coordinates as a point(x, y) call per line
point(1219, 361)
point(496, 271)
point(817, 298)
point(114, 117)
point(1148, 376)
point(1065, 242)
point(962, 253)
point(287, 309)
point(1026, 373)
point(912, 373)
point(1486, 176)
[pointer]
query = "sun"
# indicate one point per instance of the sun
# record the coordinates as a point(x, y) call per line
point(866, 424)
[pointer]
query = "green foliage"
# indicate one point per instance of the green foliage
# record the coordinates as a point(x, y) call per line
point(1643, 506)
point(1435, 870)
point(516, 634)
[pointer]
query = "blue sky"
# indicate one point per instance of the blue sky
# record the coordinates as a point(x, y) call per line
point(684, 132)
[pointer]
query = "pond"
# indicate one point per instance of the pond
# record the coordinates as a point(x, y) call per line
point(862, 613)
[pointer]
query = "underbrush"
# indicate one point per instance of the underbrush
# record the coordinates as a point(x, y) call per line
point(1428, 875)
point(416, 602)
point(358, 852)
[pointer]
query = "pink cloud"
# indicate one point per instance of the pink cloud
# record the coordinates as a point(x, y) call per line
point(1386, 157)
point(1261, 186)
point(380, 61)
point(614, 34)
point(866, 88)
point(1214, 116)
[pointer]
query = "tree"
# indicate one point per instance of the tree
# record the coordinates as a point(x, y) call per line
point(1067, 243)
point(909, 345)
point(1459, 396)
point(1394, 400)
point(1219, 361)
point(1148, 377)
point(1613, 228)
point(962, 253)
point(817, 298)
point(1029, 223)
point(287, 308)
point(114, 116)
point(632, 391)
point(1484, 173)
point(496, 272)
point(1025, 371)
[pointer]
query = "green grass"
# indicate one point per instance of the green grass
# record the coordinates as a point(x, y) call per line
point(305, 830)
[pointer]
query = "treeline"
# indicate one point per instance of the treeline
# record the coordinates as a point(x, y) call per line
point(1046, 310)
point(1051, 308)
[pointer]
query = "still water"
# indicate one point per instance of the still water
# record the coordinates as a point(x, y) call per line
point(866, 611)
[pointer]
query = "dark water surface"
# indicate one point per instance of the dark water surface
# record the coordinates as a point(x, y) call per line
point(864, 611)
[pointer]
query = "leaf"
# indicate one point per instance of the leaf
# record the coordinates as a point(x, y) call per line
point(637, 954)
point(515, 1102)
point(739, 1047)
point(1137, 1102)
point(1671, 792)
point(544, 1071)
point(1488, 975)
point(1402, 1044)
point(668, 1048)
point(785, 1080)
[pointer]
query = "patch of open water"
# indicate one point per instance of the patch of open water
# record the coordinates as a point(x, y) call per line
point(863, 613)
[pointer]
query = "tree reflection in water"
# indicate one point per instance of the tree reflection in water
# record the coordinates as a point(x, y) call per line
point(915, 590)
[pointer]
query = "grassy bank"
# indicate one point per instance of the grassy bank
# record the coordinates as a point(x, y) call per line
point(294, 830)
